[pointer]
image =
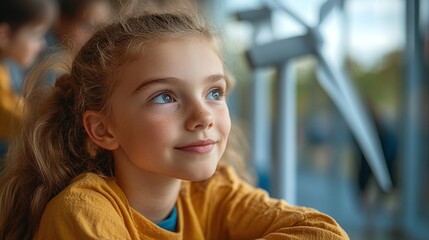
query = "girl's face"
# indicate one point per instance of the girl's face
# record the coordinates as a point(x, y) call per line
point(169, 113)
point(25, 44)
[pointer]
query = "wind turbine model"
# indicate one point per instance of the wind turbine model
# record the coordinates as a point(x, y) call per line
point(336, 83)
point(260, 116)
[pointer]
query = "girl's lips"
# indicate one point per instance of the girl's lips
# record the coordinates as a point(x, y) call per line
point(198, 147)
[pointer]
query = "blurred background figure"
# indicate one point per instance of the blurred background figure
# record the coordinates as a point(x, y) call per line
point(23, 24)
point(77, 22)
point(371, 198)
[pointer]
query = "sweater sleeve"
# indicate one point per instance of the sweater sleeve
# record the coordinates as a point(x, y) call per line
point(11, 106)
point(250, 213)
point(82, 214)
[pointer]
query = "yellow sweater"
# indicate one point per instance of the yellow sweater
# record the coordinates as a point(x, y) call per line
point(223, 207)
point(10, 107)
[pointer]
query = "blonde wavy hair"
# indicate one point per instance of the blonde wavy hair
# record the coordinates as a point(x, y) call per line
point(53, 146)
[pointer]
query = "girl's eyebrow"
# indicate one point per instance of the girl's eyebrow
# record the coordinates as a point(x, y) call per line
point(216, 78)
point(170, 80)
point(147, 83)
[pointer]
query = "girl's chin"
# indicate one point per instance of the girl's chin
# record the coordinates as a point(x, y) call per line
point(200, 174)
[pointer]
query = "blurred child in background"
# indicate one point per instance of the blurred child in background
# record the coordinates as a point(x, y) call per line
point(23, 24)
point(77, 22)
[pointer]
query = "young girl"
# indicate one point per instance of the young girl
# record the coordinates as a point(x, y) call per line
point(127, 146)
point(23, 24)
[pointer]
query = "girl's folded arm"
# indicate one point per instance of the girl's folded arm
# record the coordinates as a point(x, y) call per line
point(251, 214)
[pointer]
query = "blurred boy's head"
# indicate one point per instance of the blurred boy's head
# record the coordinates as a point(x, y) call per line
point(23, 24)
point(79, 19)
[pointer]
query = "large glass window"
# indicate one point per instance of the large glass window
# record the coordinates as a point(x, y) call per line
point(368, 40)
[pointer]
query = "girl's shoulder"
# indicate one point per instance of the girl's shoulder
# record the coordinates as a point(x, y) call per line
point(87, 189)
point(88, 182)
point(91, 206)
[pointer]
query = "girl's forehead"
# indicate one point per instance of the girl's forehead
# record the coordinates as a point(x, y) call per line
point(178, 51)
point(166, 50)
point(189, 59)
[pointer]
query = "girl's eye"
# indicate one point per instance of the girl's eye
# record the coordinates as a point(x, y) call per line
point(163, 98)
point(215, 94)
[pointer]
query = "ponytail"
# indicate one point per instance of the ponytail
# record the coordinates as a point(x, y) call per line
point(44, 158)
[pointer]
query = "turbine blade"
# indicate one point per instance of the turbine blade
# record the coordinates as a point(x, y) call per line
point(279, 51)
point(325, 9)
point(275, 4)
point(254, 14)
point(338, 87)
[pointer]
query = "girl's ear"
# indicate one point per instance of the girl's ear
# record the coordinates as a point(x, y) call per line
point(96, 127)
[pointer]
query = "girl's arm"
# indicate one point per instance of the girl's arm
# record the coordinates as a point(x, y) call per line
point(249, 213)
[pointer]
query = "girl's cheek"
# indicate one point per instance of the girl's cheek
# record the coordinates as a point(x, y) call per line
point(224, 121)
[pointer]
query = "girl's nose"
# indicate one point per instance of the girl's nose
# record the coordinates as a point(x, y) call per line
point(200, 118)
